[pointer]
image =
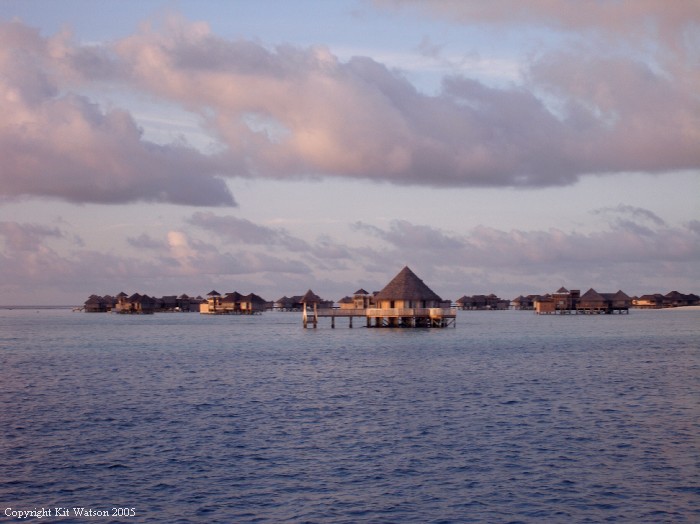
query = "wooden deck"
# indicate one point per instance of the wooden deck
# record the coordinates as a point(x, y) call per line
point(586, 311)
point(393, 317)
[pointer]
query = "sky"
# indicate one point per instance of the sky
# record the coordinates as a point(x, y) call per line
point(508, 147)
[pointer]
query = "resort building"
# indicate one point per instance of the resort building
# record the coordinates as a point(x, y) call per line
point(481, 302)
point(562, 301)
point(95, 304)
point(524, 302)
point(232, 304)
point(406, 301)
point(135, 304)
point(565, 302)
point(655, 301)
point(593, 302)
point(361, 299)
point(676, 299)
point(213, 304)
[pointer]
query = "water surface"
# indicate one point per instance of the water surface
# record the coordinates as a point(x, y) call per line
point(509, 417)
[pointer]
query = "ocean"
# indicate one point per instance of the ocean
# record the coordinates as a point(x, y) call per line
point(508, 417)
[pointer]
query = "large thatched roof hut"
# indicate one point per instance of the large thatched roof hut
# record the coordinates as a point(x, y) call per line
point(406, 290)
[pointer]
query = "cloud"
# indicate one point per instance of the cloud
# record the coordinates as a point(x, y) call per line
point(632, 218)
point(405, 235)
point(58, 144)
point(26, 237)
point(243, 231)
point(288, 111)
point(144, 241)
point(647, 256)
point(671, 22)
point(624, 253)
point(179, 263)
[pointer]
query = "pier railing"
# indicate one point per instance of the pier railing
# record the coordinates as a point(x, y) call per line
point(389, 317)
point(333, 312)
point(433, 312)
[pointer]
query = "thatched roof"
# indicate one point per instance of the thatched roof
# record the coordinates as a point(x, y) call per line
point(407, 286)
point(592, 296)
point(213, 293)
point(253, 298)
point(310, 297)
point(361, 291)
point(621, 295)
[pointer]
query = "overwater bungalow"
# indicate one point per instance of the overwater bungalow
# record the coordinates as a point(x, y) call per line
point(677, 299)
point(95, 304)
point(167, 303)
point(232, 304)
point(482, 302)
point(346, 303)
point(360, 299)
point(213, 304)
point(649, 301)
point(135, 304)
point(406, 301)
point(251, 304)
point(562, 302)
point(524, 302)
point(592, 302)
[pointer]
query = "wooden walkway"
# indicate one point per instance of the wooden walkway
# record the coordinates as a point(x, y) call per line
point(394, 317)
point(586, 311)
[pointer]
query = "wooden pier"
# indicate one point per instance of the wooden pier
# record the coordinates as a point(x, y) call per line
point(391, 317)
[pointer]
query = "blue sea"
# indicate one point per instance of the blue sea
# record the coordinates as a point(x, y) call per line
point(508, 417)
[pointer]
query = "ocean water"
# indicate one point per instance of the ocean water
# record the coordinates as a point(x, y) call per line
point(509, 417)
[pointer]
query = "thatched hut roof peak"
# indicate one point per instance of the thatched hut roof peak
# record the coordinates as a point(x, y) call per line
point(407, 286)
point(310, 297)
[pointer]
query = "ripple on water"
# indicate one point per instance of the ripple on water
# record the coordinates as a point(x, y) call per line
point(507, 418)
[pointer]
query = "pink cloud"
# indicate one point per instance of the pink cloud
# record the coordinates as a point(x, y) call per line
point(179, 263)
point(293, 112)
point(61, 145)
